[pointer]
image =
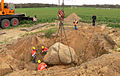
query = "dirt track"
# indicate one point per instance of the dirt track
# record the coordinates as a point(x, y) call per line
point(14, 34)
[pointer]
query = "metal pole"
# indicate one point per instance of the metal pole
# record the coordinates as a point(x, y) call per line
point(63, 4)
point(59, 4)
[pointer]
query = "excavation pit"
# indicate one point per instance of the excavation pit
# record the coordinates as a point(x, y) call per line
point(86, 43)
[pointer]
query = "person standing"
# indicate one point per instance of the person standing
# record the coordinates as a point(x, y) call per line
point(75, 24)
point(33, 54)
point(93, 20)
point(35, 18)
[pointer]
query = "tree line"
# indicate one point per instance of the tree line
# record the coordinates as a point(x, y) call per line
point(33, 5)
point(38, 5)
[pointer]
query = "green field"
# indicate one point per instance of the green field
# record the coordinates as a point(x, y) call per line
point(104, 16)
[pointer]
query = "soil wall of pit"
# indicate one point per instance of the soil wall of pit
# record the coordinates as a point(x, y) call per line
point(88, 44)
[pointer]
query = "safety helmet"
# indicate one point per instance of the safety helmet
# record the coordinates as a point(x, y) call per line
point(33, 48)
point(42, 47)
point(39, 61)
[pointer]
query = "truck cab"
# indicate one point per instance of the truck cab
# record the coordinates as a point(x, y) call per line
point(8, 9)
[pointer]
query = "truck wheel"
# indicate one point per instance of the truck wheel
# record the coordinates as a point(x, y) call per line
point(5, 23)
point(14, 22)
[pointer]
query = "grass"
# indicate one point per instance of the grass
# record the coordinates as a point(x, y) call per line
point(31, 33)
point(43, 14)
point(114, 25)
point(50, 14)
point(48, 32)
point(52, 25)
point(1, 42)
point(104, 16)
point(119, 46)
point(117, 50)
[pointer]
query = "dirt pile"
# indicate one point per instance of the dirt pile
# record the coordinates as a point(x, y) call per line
point(71, 18)
point(88, 43)
point(18, 54)
point(5, 69)
point(7, 62)
point(106, 65)
point(115, 35)
point(23, 47)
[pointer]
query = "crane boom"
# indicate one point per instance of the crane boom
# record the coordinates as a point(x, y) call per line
point(6, 8)
point(63, 4)
point(2, 5)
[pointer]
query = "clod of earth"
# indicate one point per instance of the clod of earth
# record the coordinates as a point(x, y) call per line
point(5, 69)
point(34, 27)
point(1, 33)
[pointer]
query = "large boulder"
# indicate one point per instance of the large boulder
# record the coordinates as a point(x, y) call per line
point(60, 54)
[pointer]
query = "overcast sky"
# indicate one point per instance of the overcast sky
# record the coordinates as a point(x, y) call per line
point(68, 2)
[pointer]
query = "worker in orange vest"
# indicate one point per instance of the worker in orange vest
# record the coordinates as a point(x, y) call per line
point(33, 54)
point(41, 66)
point(44, 49)
point(75, 24)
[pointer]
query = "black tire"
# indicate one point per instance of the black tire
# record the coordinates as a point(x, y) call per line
point(5, 23)
point(14, 22)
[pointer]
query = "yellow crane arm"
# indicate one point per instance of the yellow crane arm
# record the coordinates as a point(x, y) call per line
point(2, 5)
